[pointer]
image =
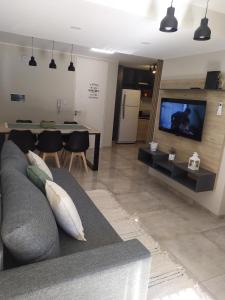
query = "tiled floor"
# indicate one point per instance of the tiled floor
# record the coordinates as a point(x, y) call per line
point(194, 237)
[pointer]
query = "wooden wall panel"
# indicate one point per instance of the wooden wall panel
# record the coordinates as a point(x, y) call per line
point(212, 144)
point(155, 98)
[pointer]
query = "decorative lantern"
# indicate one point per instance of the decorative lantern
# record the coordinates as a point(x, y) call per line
point(194, 162)
point(172, 154)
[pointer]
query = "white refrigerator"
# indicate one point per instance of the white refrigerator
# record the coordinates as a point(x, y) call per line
point(129, 113)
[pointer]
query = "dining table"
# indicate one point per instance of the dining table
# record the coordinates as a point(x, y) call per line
point(37, 128)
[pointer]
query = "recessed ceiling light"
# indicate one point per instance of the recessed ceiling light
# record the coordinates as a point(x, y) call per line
point(75, 27)
point(105, 51)
point(145, 43)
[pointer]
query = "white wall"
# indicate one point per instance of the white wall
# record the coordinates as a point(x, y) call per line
point(196, 67)
point(193, 67)
point(110, 100)
point(97, 113)
point(43, 86)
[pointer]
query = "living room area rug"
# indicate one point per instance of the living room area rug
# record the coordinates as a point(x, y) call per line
point(168, 280)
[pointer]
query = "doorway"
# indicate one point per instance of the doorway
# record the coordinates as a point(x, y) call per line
point(134, 105)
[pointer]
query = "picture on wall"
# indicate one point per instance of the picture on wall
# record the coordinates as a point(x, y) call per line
point(93, 91)
point(17, 98)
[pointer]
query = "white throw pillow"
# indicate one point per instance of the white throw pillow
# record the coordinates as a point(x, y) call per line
point(64, 210)
point(36, 160)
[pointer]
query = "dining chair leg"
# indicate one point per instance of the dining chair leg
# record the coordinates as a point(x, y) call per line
point(64, 158)
point(57, 159)
point(62, 154)
point(71, 160)
point(85, 162)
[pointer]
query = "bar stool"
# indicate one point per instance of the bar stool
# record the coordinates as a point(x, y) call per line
point(49, 144)
point(77, 145)
point(24, 139)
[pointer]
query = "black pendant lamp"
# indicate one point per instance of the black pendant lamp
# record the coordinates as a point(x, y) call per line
point(71, 66)
point(203, 32)
point(169, 23)
point(52, 64)
point(32, 61)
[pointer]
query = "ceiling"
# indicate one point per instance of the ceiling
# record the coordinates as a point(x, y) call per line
point(124, 59)
point(129, 27)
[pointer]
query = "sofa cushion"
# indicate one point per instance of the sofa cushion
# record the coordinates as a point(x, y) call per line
point(38, 177)
point(29, 230)
point(13, 158)
point(98, 231)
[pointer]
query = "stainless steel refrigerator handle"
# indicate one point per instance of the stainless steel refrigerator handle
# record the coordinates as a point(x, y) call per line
point(124, 104)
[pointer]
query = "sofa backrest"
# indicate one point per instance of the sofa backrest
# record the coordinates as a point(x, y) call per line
point(1, 244)
point(13, 158)
point(28, 228)
point(2, 139)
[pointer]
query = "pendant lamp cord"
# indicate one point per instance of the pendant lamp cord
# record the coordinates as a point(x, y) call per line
point(207, 6)
point(171, 3)
point(53, 46)
point(72, 53)
point(32, 46)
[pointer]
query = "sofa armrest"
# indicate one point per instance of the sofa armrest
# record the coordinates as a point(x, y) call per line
point(114, 272)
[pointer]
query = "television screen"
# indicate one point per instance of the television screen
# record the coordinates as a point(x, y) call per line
point(182, 117)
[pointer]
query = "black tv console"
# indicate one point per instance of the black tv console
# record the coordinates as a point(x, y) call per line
point(198, 181)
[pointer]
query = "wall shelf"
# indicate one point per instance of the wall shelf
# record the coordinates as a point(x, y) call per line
point(198, 181)
point(191, 89)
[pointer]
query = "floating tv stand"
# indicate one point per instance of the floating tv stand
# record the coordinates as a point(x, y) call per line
point(198, 181)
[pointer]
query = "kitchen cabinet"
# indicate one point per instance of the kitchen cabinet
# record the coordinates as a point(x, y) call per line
point(137, 79)
point(129, 78)
point(144, 77)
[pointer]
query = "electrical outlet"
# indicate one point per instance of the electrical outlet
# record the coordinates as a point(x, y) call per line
point(219, 109)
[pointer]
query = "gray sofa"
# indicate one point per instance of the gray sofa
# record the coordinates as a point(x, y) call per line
point(103, 268)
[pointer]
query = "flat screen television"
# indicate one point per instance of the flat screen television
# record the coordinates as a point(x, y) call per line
point(182, 117)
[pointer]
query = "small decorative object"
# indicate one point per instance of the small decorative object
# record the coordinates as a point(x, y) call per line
point(153, 146)
point(194, 162)
point(47, 124)
point(172, 154)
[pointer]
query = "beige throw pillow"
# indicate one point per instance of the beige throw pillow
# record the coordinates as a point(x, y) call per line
point(36, 160)
point(64, 210)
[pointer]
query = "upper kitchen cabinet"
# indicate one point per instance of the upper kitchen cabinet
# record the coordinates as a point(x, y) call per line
point(137, 79)
point(144, 77)
point(129, 78)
